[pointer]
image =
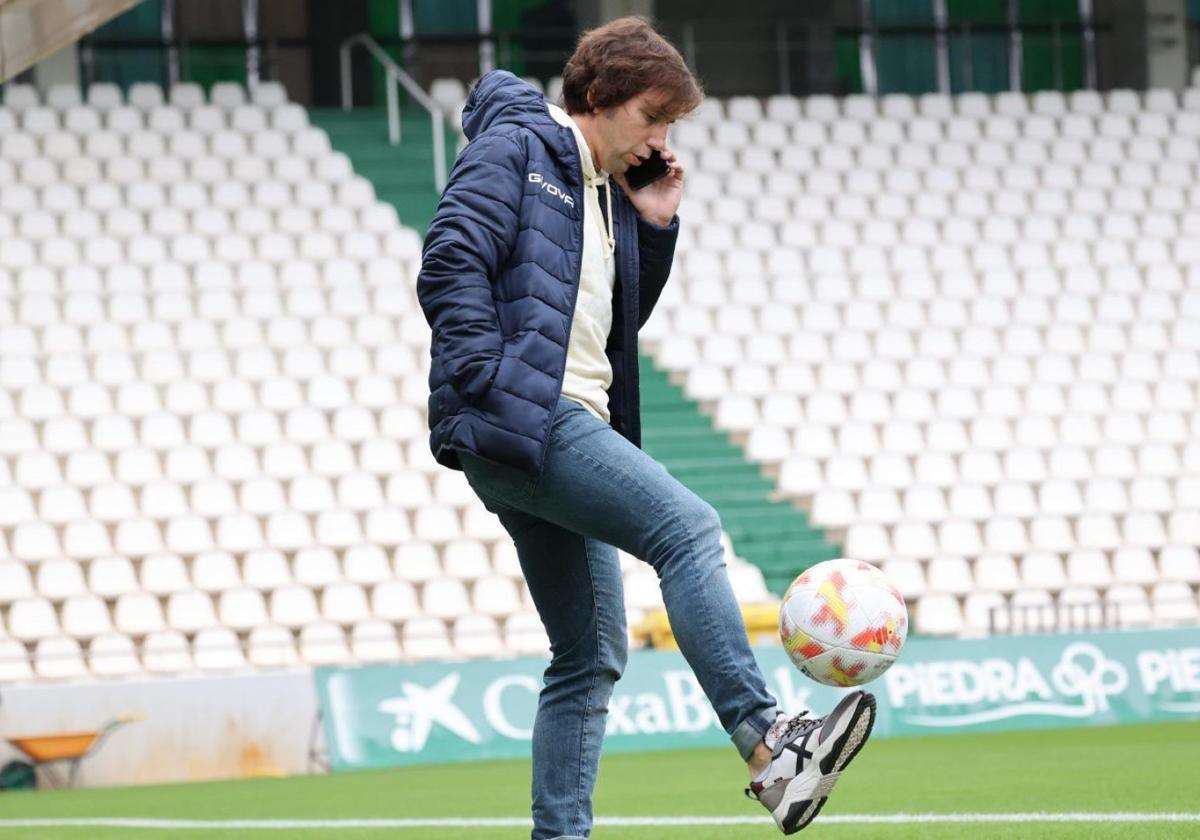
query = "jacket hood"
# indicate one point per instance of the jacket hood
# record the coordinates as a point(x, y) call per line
point(500, 98)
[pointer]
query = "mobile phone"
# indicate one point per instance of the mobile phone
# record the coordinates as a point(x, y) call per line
point(647, 172)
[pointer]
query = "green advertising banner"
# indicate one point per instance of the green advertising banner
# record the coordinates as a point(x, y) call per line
point(390, 715)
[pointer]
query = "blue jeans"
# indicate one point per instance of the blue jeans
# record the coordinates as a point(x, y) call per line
point(598, 492)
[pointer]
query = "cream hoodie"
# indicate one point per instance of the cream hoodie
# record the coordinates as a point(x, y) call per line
point(588, 373)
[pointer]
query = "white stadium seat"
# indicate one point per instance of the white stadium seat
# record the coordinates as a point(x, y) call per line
point(323, 643)
point(293, 606)
point(113, 655)
point(242, 608)
point(167, 652)
point(375, 641)
point(31, 619)
point(477, 635)
point(14, 661)
point(426, 637)
point(59, 657)
point(138, 613)
point(218, 649)
point(190, 610)
point(524, 634)
point(272, 646)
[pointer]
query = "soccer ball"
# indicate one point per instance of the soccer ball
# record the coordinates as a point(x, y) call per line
point(842, 622)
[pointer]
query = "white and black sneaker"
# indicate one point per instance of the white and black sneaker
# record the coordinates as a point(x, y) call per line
point(807, 756)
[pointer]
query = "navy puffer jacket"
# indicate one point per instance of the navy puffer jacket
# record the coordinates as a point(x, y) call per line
point(500, 274)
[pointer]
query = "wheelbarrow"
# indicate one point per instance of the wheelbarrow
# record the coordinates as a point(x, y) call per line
point(47, 751)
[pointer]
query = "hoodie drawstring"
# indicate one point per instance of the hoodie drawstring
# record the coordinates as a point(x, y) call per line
point(595, 182)
point(608, 219)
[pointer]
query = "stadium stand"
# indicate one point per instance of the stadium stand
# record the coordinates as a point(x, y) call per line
point(213, 453)
point(962, 333)
point(959, 333)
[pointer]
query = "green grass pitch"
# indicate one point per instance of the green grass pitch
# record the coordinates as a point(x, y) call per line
point(1143, 769)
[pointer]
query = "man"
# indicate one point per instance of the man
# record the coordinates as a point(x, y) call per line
point(537, 272)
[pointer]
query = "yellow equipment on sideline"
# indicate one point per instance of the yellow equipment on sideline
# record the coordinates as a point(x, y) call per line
point(45, 750)
point(762, 626)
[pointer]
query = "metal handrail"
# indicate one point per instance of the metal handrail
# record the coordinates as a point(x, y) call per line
point(395, 74)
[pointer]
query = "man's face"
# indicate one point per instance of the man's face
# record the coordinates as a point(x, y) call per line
point(626, 134)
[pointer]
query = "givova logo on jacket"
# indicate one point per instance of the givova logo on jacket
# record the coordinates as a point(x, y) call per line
point(546, 186)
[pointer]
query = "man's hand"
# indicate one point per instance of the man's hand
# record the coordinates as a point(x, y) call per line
point(657, 202)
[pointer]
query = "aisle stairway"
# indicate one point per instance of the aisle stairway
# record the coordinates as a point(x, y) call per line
point(402, 175)
point(773, 535)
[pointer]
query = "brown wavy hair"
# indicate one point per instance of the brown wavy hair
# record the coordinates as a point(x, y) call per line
point(624, 57)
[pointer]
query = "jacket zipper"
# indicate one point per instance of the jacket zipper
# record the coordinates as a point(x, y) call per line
point(577, 268)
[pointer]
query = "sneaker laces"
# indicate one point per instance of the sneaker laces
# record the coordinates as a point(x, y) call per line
point(792, 728)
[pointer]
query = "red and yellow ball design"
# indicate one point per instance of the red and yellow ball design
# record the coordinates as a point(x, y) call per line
point(842, 622)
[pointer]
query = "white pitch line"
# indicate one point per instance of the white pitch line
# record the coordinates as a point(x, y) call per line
point(628, 822)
